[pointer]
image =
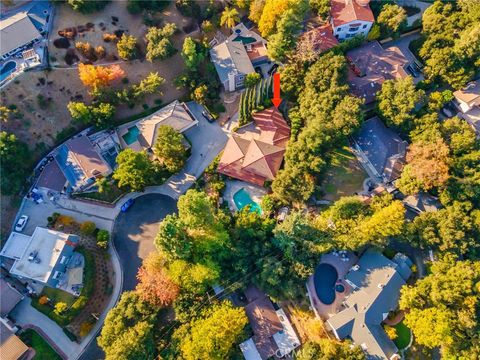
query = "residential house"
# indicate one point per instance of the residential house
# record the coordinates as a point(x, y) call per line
point(255, 152)
point(80, 164)
point(9, 298)
point(317, 40)
point(350, 18)
point(376, 282)
point(237, 56)
point(41, 259)
point(467, 100)
point(142, 134)
point(421, 202)
point(11, 347)
point(380, 150)
point(274, 336)
point(371, 65)
point(21, 29)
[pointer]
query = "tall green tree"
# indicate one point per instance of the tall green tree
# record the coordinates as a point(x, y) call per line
point(229, 17)
point(193, 53)
point(159, 45)
point(442, 309)
point(135, 171)
point(127, 333)
point(214, 335)
point(397, 101)
point(15, 163)
point(392, 19)
point(170, 149)
point(326, 349)
point(127, 47)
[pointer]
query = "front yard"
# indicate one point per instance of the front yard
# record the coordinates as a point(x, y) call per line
point(344, 177)
point(43, 351)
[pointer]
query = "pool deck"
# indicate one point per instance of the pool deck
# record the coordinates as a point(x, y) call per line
point(232, 186)
point(322, 310)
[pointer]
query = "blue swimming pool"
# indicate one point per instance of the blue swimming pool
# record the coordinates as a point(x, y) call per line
point(325, 278)
point(131, 136)
point(242, 198)
point(7, 69)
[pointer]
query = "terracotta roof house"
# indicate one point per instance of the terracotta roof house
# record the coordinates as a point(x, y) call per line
point(42, 257)
point(11, 347)
point(381, 151)
point(319, 39)
point(236, 57)
point(371, 65)
point(467, 100)
point(9, 298)
point(80, 164)
point(350, 18)
point(255, 153)
point(273, 336)
point(142, 134)
point(375, 282)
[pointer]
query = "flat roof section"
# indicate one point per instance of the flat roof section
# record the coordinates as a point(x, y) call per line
point(15, 246)
point(48, 244)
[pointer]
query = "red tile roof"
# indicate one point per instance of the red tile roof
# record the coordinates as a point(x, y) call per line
point(257, 159)
point(346, 11)
point(321, 38)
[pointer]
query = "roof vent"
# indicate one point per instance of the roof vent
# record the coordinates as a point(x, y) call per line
point(356, 267)
point(380, 286)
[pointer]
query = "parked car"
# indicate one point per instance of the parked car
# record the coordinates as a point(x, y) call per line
point(207, 116)
point(273, 69)
point(21, 223)
point(258, 70)
point(127, 205)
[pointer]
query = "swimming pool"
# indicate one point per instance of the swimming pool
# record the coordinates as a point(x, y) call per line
point(7, 69)
point(242, 198)
point(131, 136)
point(325, 278)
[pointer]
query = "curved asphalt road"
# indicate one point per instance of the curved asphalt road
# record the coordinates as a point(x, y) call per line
point(133, 235)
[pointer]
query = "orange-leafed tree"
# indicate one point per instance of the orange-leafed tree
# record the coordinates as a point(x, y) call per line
point(99, 76)
point(154, 284)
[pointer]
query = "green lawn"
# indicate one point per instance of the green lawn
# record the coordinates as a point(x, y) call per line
point(403, 335)
point(344, 177)
point(43, 351)
point(57, 295)
point(109, 196)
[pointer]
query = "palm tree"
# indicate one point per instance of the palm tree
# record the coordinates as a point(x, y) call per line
point(229, 17)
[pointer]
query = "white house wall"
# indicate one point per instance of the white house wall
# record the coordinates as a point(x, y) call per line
point(344, 31)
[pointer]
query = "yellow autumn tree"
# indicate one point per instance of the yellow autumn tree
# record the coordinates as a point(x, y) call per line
point(99, 76)
point(271, 13)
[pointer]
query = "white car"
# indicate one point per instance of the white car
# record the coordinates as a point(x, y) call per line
point(21, 223)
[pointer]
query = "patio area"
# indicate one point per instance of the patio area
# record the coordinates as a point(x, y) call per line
point(342, 262)
point(234, 186)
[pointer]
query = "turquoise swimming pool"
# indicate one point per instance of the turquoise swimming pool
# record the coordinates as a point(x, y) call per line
point(242, 198)
point(131, 136)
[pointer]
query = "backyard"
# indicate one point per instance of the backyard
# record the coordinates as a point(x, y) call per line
point(403, 336)
point(43, 351)
point(344, 177)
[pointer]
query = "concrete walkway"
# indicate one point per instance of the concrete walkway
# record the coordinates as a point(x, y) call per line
point(25, 315)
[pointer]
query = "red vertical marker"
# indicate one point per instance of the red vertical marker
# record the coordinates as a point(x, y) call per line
point(277, 100)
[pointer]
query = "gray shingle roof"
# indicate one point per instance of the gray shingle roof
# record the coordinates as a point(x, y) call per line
point(377, 282)
point(383, 147)
point(231, 56)
point(23, 27)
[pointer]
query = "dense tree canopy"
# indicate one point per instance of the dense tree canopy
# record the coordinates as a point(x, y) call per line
point(330, 115)
point(326, 349)
point(135, 171)
point(397, 101)
point(87, 6)
point(392, 19)
point(97, 77)
point(451, 49)
point(443, 308)
point(101, 115)
point(128, 330)
point(170, 149)
point(193, 53)
point(127, 47)
point(159, 45)
point(212, 336)
point(15, 163)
